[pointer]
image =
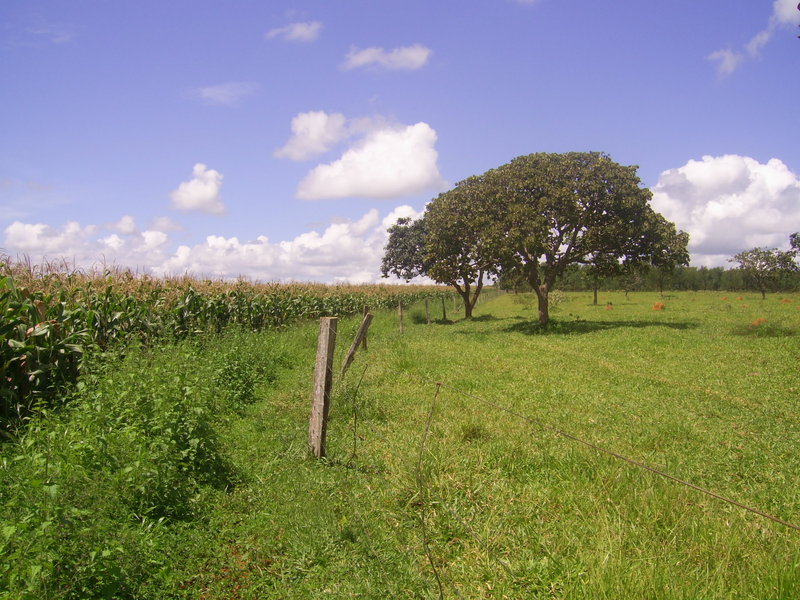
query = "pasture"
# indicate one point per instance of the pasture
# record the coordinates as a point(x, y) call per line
point(478, 488)
point(508, 507)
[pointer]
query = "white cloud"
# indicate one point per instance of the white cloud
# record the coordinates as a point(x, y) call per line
point(201, 193)
point(405, 58)
point(386, 163)
point(41, 238)
point(784, 12)
point(759, 41)
point(81, 246)
point(165, 224)
point(126, 225)
point(296, 32)
point(730, 203)
point(154, 239)
point(344, 251)
point(313, 133)
point(226, 94)
point(728, 61)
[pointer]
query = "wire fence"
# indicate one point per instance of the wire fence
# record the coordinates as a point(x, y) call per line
point(429, 497)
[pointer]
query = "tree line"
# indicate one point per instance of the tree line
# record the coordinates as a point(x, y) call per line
point(578, 219)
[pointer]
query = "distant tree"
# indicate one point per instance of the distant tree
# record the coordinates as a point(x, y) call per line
point(404, 254)
point(513, 281)
point(602, 266)
point(794, 240)
point(764, 267)
point(461, 249)
point(565, 209)
point(668, 248)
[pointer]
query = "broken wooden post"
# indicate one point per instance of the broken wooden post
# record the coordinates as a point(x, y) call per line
point(323, 381)
point(361, 334)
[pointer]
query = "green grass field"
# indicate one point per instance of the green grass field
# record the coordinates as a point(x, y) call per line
point(499, 504)
point(515, 510)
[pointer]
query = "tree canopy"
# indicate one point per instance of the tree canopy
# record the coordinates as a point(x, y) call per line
point(578, 208)
point(535, 216)
point(404, 255)
point(764, 267)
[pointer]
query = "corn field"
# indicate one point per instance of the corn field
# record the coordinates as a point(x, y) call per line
point(52, 316)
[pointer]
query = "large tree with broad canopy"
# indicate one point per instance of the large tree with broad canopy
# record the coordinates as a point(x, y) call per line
point(535, 216)
point(576, 208)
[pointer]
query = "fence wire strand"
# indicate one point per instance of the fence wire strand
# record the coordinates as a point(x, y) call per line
point(547, 427)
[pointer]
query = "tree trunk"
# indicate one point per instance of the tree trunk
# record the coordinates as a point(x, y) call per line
point(464, 293)
point(544, 312)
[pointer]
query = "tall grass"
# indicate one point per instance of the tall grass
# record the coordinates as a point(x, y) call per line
point(102, 498)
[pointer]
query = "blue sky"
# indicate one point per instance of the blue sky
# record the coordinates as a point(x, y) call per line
point(278, 140)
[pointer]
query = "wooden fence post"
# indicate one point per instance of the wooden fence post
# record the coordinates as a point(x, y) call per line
point(427, 313)
point(444, 310)
point(360, 335)
point(323, 381)
point(400, 314)
point(364, 339)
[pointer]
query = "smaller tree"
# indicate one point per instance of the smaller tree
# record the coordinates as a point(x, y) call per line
point(462, 229)
point(404, 254)
point(763, 267)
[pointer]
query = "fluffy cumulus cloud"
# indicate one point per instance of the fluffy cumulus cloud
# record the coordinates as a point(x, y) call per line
point(730, 203)
point(226, 94)
point(83, 246)
point(784, 13)
point(41, 238)
point(313, 133)
point(296, 32)
point(344, 251)
point(201, 193)
point(405, 58)
point(389, 162)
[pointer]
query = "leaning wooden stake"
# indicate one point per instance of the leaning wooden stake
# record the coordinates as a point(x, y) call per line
point(323, 381)
point(444, 311)
point(364, 339)
point(361, 334)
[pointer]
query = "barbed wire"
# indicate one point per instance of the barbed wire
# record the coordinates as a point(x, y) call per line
point(565, 434)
